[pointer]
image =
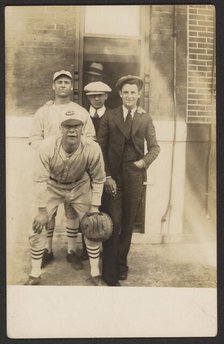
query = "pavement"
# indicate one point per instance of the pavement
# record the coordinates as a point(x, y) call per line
point(189, 265)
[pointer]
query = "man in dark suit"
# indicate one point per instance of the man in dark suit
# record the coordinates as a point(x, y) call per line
point(122, 134)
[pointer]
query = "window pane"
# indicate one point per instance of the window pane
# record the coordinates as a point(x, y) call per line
point(114, 20)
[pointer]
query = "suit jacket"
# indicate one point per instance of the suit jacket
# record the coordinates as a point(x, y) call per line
point(111, 138)
point(96, 122)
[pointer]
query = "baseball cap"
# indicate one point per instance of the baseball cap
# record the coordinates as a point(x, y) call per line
point(70, 118)
point(60, 73)
point(130, 78)
point(97, 87)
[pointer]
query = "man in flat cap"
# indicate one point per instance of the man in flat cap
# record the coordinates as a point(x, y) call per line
point(97, 93)
point(45, 124)
point(122, 134)
point(68, 168)
point(92, 73)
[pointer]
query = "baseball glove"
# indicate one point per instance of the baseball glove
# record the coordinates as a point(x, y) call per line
point(97, 226)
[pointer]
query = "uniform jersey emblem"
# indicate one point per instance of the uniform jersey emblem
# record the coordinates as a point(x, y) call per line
point(70, 113)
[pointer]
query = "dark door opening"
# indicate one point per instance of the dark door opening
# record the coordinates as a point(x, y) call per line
point(116, 57)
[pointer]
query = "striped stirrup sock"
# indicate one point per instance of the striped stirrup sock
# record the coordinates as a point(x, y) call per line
point(72, 234)
point(50, 233)
point(36, 259)
point(94, 259)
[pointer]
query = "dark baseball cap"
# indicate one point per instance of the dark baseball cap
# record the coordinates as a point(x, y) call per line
point(70, 119)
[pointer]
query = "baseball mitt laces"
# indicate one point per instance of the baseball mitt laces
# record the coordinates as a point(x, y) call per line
point(97, 226)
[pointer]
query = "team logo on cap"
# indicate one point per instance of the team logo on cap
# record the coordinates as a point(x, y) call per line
point(70, 113)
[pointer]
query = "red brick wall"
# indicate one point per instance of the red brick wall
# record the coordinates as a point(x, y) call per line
point(201, 62)
point(39, 41)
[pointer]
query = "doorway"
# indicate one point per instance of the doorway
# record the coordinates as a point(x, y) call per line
point(116, 55)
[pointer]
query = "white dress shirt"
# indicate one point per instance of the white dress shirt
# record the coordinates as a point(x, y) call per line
point(125, 112)
point(100, 111)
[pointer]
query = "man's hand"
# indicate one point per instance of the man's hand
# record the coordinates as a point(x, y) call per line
point(110, 186)
point(49, 102)
point(140, 110)
point(140, 164)
point(40, 221)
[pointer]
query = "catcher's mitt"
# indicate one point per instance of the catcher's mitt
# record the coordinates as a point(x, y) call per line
point(97, 226)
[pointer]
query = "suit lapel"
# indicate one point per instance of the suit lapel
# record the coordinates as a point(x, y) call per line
point(119, 119)
point(136, 123)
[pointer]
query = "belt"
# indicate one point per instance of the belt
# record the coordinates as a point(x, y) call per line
point(65, 183)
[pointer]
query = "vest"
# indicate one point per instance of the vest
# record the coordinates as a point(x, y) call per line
point(129, 153)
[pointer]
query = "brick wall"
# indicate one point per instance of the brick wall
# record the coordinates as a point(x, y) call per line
point(201, 138)
point(162, 60)
point(39, 40)
point(201, 63)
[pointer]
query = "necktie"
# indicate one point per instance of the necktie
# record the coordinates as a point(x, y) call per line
point(128, 118)
point(127, 124)
point(96, 115)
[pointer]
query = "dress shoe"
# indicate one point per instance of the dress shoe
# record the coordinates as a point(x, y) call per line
point(47, 258)
point(114, 284)
point(33, 280)
point(123, 276)
point(75, 260)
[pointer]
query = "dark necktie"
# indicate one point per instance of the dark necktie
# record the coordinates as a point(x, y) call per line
point(96, 115)
point(127, 124)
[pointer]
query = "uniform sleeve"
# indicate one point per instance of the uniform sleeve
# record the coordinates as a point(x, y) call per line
point(37, 129)
point(152, 144)
point(97, 172)
point(89, 130)
point(41, 174)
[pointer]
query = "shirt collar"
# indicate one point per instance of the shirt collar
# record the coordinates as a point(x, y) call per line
point(125, 111)
point(100, 111)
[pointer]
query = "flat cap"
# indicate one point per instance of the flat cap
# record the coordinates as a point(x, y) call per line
point(132, 79)
point(62, 73)
point(97, 87)
point(70, 118)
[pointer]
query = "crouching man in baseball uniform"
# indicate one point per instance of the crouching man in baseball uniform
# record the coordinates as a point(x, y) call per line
point(69, 168)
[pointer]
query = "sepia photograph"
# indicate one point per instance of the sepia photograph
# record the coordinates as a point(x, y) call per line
point(111, 169)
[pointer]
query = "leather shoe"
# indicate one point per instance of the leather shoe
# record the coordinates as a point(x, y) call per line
point(115, 284)
point(75, 260)
point(123, 276)
point(33, 280)
point(47, 258)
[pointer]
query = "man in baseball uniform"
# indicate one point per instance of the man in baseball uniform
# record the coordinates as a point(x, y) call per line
point(68, 168)
point(45, 124)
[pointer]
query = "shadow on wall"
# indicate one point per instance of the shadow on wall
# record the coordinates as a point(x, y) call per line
point(200, 190)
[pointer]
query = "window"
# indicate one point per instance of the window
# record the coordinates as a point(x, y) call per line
point(112, 20)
